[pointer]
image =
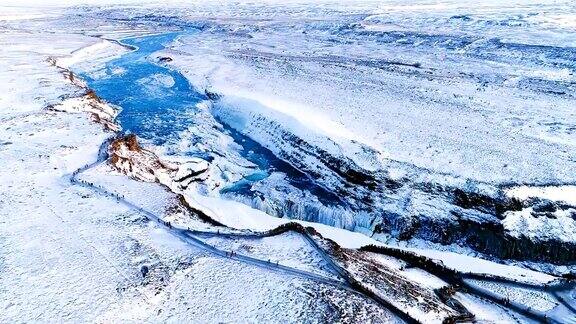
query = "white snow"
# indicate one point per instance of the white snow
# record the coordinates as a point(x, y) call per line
point(240, 216)
point(417, 275)
point(561, 226)
point(566, 194)
point(69, 254)
point(476, 265)
point(452, 115)
point(541, 301)
point(190, 168)
point(289, 249)
point(488, 312)
point(91, 56)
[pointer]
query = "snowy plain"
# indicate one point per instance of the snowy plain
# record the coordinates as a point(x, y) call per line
point(71, 254)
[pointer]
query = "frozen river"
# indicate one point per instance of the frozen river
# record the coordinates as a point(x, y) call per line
point(390, 121)
point(159, 104)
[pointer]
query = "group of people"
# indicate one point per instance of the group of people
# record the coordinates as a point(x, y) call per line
point(110, 194)
point(76, 172)
point(167, 223)
point(232, 254)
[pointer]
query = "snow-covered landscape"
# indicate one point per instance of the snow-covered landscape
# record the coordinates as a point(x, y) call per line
point(288, 161)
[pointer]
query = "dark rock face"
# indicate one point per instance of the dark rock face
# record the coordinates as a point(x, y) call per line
point(92, 95)
point(197, 212)
point(496, 206)
point(489, 238)
point(471, 219)
point(130, 141)
point(445, 210)
point(144, 270)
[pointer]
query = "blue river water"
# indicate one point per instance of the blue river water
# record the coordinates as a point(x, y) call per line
point(158, 104)
point(156, 101)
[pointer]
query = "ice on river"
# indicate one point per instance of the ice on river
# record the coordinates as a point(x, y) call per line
point(469, 95)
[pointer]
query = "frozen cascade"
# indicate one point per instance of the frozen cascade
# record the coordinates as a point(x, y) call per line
point(164, 94)
point(347, 181)
point(309, 210)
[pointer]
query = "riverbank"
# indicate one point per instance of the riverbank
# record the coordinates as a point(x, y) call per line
point(69, 254)
point(110, 249)
point(269, 161)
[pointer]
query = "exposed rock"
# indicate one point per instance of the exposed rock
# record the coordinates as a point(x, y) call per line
point(90, 94)
point(191, 169)
point(128, 157)
point(211, 95)
point(90, 102)
point(144, 270)
point(100, 112)
point(132, 143)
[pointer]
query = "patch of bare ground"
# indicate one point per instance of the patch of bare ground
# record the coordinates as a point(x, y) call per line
point(128, 157)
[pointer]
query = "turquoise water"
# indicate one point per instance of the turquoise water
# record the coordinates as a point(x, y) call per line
point(158, 103)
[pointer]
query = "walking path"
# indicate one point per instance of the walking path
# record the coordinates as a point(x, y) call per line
point(561, 292)
point(192, 237)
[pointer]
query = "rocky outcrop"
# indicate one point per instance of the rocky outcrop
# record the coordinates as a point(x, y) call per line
point(391, 197)
point(165, 59)
point(89, 102)
point(191, 171)
point(128, 157)
point(100, 112)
